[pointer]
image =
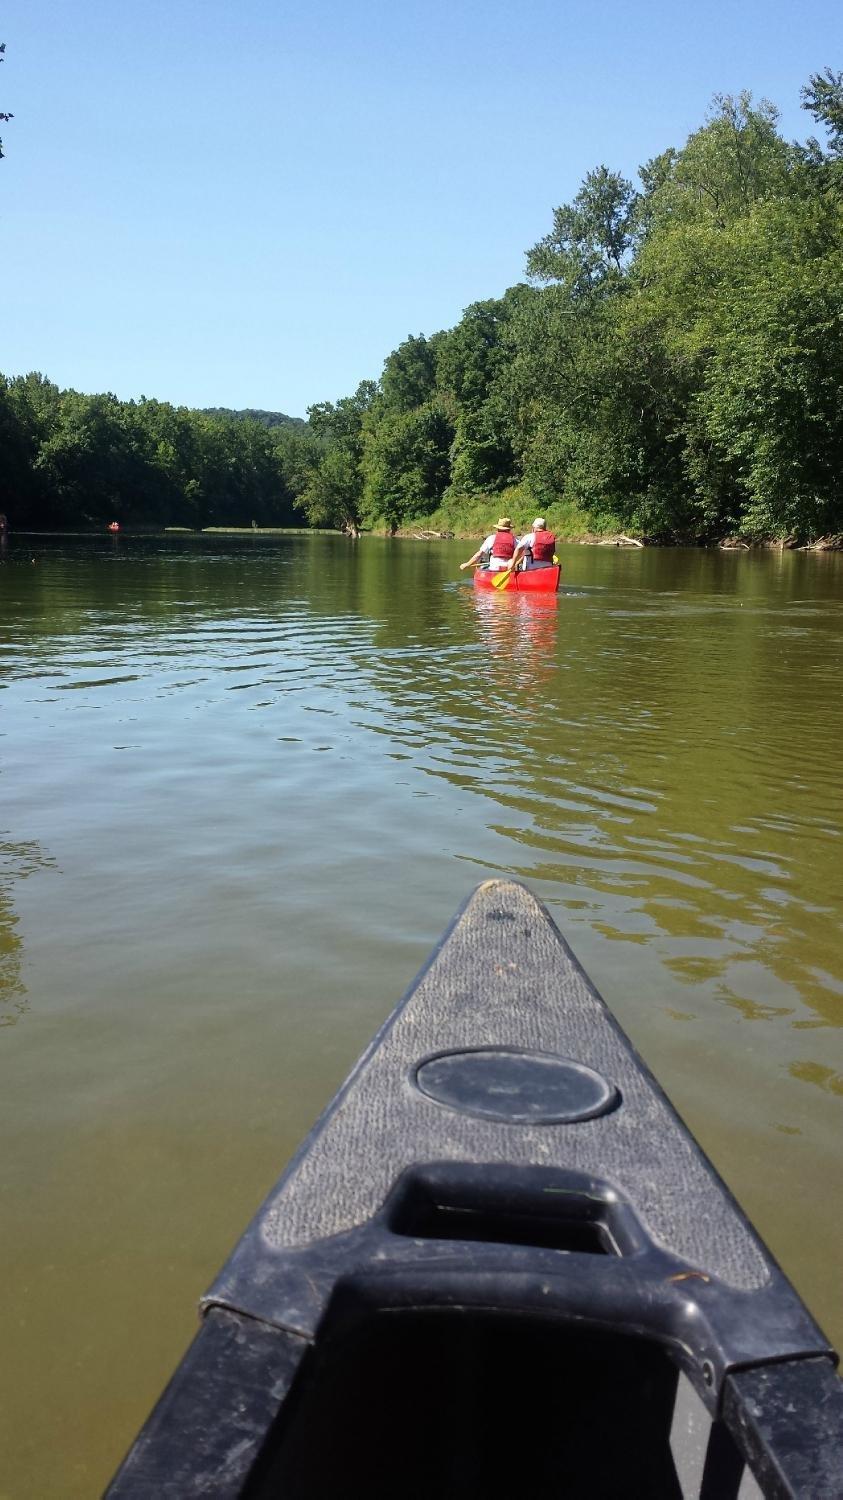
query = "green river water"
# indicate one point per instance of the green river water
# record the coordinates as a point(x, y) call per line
point(245, 784)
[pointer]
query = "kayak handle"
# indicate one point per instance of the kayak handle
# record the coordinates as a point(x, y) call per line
point(543, 1241)
point(527, 1207)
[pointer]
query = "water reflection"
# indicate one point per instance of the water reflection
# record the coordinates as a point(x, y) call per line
point(819, 1074)
point(518, 632)
point(663, 757)
point(17, 862)
point(269, 771)
point(656, 747)
point(667, 772)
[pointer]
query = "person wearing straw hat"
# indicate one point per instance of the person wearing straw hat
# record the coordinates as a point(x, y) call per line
point(538, 547)
point(498, 548)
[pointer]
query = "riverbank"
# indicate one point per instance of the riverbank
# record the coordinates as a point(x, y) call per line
point(421, 533)
point(620, 539)
point(256, 530)
point(472, 517)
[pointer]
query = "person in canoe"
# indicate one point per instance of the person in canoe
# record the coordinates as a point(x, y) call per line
point(498, 550)
point(537, 548)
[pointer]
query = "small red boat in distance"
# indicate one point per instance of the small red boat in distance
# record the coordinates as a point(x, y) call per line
point(534, 581)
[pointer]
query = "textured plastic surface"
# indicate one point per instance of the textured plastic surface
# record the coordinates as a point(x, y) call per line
point(499, 1152)
point(690, 1269)
point(505, 977)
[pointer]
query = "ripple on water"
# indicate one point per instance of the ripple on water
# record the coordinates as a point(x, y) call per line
point(245, 887)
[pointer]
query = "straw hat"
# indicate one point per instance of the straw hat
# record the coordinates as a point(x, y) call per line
point(504, 524)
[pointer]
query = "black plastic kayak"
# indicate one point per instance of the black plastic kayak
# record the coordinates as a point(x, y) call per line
point(499, 1266)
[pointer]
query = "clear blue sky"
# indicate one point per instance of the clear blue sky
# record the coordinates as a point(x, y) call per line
point(252, 204)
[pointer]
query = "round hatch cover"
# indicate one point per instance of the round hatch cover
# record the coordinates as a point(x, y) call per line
point(521, 1088)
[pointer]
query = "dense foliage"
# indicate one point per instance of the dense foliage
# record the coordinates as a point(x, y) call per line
point(74, 460)
point(254, 414)
point(673, 367)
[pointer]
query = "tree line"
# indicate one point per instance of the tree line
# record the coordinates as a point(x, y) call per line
point(672, 367)
point(68, 459)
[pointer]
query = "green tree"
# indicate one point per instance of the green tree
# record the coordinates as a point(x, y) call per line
point(86, 461)
point(74, 459)
point(16, 451)
point(772, 393)
point(298, 451)
point(333, 488)
point(822, 97)
point(671, 406)
point(591, 237)
point(732, 294)
point(470, 356)
point(406, 464)
point(409, 374)
point(735, 159)
point(331, 495)
point(472, 362)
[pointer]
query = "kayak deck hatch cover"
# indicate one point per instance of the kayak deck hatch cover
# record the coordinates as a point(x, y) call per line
point(498, 1266)
point(534, 581)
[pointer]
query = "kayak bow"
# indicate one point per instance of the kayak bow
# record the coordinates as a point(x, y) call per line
point(499, 1265)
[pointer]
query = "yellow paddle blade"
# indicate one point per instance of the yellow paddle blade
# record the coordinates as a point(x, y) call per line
point(502, 579)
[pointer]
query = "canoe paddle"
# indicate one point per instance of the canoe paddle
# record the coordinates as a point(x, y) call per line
point(502, 579)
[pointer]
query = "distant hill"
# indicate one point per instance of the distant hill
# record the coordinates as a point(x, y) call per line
point(266, 418)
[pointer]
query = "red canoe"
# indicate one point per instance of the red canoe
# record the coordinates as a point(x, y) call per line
point(536, 581)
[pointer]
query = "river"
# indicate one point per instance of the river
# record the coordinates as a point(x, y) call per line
point(246, 783)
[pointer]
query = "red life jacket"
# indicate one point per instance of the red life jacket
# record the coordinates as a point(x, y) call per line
point(504, 544)
point(544, 546)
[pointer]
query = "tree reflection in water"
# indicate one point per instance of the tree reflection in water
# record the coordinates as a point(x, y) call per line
point(17, 861)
